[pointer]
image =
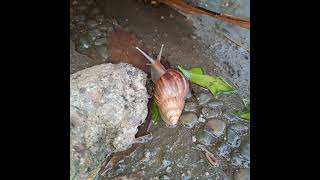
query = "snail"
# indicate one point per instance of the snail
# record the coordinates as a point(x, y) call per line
point(170, 91)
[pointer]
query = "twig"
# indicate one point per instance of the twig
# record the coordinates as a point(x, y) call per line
point(183, 6)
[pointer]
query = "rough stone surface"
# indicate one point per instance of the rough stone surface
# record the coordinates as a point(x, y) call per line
point(107, 104)
point(242, 174)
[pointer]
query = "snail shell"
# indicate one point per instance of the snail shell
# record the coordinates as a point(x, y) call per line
point(170, 91)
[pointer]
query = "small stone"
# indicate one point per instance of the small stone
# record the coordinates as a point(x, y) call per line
point(215, 103)
point(100, 18)
point(165, 177)
point(236, 159)
point(206, 173)
point(223, 150)
point(166, 163)
point(215, 127)
point(204, 138)
point(102, 51)
point(231, 117)
point(188, 119)
point(100, 41)
point(233, 102)
point(245, 149)
point(126, 20)
point(194, 139)
point(79, 18)
point(84, 42)
point(193, 36)
point(91, 23)
point(171, 16)
point(233, 138)
point(204, 99)
point(211, 113)
point(81, 7)
point(190, 107)
point(95, 33)
point(202, 120)
point(162, 17)
point(168, 170)
point(242, 174)
point(239, 128)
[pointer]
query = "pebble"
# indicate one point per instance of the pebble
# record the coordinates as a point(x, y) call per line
point(100, 41)
point(162, 17)
point(236, 159)
point(104, 27)
point(165, 177)
point(215, 103)
point(223, 150)
point(166, 163)
point(204, 138)
point(84, 42)
point(245, 149)
point(190, 107)
point(233, 138)
point(204, 99)
point(168, 170)
point(215, 127)
point(91, 23)
point(232, 101)
point(206, 173)
point(231, 117)
point(211, 113)
point(242, 174)
point(79, 18)
point(239, 127)
point(188, 119)
point(194, 139)
point(100, 18)
point(102, 51)
point(201, 119)
point(95, 33)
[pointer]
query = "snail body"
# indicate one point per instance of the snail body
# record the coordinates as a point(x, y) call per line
point(170, 91)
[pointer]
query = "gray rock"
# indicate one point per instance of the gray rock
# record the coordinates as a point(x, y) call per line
point(215, 103)
point(223, 150)
point(94, 34)
point(100, 41)
point(242, 174)
point(233, 139)
point(188, 119)
point(211, 113)
point(204, 138)
point(84, 42)
point(102, 51)
point(190, 107)
point(165, 177)
point(91, 23)
point(231, 117)
point(245, 149)
point(204, 98)
point(100, 18)
point(239, 128)
point(201, 119)
point(107, 104)
point(215, 127)
point(236, 159)
point(232, 101)
point(79, 18)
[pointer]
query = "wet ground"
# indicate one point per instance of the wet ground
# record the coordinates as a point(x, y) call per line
point(188, 42)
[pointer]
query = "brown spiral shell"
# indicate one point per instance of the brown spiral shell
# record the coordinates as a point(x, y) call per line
point(170, 93)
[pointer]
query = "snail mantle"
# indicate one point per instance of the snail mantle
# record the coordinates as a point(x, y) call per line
point(107, 104)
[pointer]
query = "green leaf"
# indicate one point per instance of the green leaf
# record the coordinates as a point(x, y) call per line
point(215, 84)
point(197, 70)
point(243, 115)
point(155, 113)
